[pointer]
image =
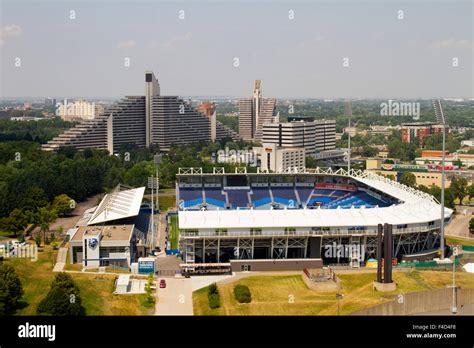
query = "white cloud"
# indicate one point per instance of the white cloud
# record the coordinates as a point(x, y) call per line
point(126, 44)
point(8, 31)
point(177, 38)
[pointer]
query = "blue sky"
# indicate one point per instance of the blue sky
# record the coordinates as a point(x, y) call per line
point(300, 57)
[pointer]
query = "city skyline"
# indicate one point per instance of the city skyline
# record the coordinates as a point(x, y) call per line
point(301, 57)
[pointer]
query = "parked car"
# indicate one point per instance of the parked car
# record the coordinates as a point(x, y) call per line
point(162, 284)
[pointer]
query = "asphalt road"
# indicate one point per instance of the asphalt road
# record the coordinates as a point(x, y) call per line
point(459, 226)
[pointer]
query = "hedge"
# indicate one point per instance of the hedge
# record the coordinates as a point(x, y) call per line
point(242, 294)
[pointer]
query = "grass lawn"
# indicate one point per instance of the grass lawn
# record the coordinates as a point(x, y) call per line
point(174, 231)
point(459, 241)
point(96, 291)
point(289, 295)
point(165, 202)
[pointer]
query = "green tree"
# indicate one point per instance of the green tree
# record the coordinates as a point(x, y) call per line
point(471, 225)
point(43, 218)
point(38, 239)
point(62, 299)
point(459, 187)
point(408, 179)
point(15, 223)
point(369, 151)
point(470, 191)
point(148, 289)
point(11, 290)
point(63, 204)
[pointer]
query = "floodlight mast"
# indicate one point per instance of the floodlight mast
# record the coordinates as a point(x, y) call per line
point(348, 112)
point(441, 119)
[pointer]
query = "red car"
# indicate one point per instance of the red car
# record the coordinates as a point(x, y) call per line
point(162, 283)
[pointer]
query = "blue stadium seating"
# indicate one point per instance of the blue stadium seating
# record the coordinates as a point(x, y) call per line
point(304, 193)
point(260, 196)
point(238, 198)
point(191, 196)
point(285, 196)
point(215, 196)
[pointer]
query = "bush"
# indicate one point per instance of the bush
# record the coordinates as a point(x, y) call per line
point(213, 289)
point(213, 296)
point(242, 294)
point(214, 301)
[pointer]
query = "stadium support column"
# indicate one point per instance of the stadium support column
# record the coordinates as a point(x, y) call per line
point(387, 268)
point(385, 284)
point(379, 253)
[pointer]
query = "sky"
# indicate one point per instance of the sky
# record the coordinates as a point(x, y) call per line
point(297, 48)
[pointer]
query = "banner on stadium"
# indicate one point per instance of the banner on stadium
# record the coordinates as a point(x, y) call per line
point(341, 187)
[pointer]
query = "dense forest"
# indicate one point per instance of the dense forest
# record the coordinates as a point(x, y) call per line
point(32, 180)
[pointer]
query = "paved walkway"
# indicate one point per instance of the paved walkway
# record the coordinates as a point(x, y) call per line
point(459, 226)
point(61, 260)
point(176, 298)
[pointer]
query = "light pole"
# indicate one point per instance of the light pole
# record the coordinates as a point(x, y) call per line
point(339, 297)
point(454, 308)
point(348, 111)
point(441, 119)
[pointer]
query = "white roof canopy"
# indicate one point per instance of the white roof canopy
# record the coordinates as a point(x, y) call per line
point(118, 205)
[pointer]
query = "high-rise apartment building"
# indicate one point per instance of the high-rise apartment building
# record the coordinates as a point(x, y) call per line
point(254, 112)
point(142, 121)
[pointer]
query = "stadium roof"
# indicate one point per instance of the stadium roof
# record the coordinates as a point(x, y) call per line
point(416, 207)
point(118, 205)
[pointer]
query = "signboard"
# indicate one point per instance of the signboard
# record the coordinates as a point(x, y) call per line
point(417, 168)
point(336, 187)
point(146, 266)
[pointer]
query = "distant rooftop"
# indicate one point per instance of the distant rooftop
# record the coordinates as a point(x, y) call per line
point(108, 233)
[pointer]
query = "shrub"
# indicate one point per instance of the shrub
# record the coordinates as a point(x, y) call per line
point(213, 289)
point(213, 296)
point(214, 301)
point(242, 294)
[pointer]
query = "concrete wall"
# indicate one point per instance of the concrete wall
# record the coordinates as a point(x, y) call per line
point(420, 302)
point(276, 265)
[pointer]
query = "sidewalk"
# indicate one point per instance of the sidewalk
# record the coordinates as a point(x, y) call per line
point(61, 260)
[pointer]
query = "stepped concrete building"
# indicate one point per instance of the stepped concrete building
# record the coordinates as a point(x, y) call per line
point(142, 121)
point(254, 112)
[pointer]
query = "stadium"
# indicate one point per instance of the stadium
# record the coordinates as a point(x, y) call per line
point(276, 221)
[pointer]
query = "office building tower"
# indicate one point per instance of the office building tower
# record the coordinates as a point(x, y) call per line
point(313, 136)
point(254, 112)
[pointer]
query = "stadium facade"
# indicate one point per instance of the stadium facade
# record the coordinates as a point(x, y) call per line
point(143, 121)
point(265, 221)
